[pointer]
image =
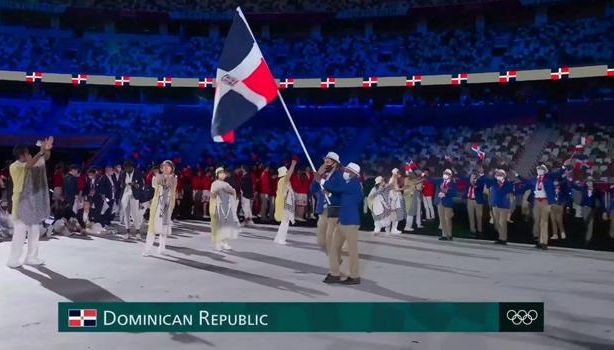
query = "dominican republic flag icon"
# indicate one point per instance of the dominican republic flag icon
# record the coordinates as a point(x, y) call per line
point(82, 317)
point(559, 73)
point(327, 83)
point(415, 80)
point(205, 83)
point(243, 83)
point(122, 80)
point(459, 79)
point(475, 148)
point(33, 77)
point(287, 83)
point(369, 82)
point(78, 79)
point(164, 82)
point(610, 71)
point(507, 77)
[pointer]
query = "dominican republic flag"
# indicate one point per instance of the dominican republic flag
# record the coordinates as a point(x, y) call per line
point(326, 83)
point(460, 79)
point(610, 71)
point(33, 77)
point(415, 80)
point(369, 82)
point(559, 73)
point(78, 79)
point(205, 83)
point(164, 82)
point(287, 83)
point(244, 83)
point(481, 154)
point(507, 77)
point(411, 166)
point(122, 80)
point(82, 318)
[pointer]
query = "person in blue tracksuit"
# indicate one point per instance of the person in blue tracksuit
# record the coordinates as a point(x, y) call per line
point(500, 191)
point(588, 204)
point(446, 191)
point(474, 194)
point(349, 222)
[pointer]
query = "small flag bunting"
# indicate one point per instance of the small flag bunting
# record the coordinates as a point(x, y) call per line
point(122, 80)
point(327, 83)
point(78, 79)
point(33, 77)
point(507, 77)
point(369, 82)
point(164, 82)
point(415, 80)
point(560, 73)
point(205, 83)
point(287, 83)
point(459, 79)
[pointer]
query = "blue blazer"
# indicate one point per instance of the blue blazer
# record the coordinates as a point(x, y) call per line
point(351, 200)
point(562, 198)
point(336, 181)
point(611, 204)
point(448, 200)
point(587, 201)
point(479, 190)
point(530, 184)
point(315, 189)
point(499, 195)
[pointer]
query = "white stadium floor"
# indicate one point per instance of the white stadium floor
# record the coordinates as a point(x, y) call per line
point(577, 287)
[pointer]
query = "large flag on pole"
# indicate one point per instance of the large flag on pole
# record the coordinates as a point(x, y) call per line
point(244, 83)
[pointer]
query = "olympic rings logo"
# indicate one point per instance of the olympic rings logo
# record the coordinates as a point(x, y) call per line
point(522, 317)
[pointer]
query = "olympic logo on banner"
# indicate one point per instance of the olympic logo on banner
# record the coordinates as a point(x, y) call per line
point(522, 317)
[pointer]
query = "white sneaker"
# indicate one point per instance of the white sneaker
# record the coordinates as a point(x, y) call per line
point(420, 226)
point(280, 242)
point(554, 237)
point(217, 247)
point(562, 235)
point(408, 229)
point(34, 262)
point(226, 246)
point(14, 265)
point(395, 232)
point(145, 254)
point(126, 237)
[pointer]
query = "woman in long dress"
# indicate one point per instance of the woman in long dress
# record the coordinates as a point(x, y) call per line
point(161, 208)
point(397, 205)
point(379, 204)
point(284, 202)
point(223, 210)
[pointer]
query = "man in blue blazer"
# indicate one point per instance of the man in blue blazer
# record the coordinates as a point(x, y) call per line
point(350, 191)
point(500, 191)
point(474, 194)
point(446, 191)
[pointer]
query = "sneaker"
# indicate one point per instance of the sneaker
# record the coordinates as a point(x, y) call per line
point(145, 254)
point(126, 237)
point(226, 246)
point(562, 235)
point(163, 253)
point(544, 247)
point(419, 226)
point(217, 247)
point(330, 279)
point(351, 280)
point(34, 262)
point(300, 220)
point(450, 238)
point(395, 232)
point(14, 265)
point(443, 238)
point(554, 237)
point(280, 242)
point(502, 242)
point(408, 229)
point(312, 217)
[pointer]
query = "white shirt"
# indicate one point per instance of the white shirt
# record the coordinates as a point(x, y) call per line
point(540, 193)
point(128, 181)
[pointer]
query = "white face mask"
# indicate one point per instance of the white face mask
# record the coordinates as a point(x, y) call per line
point(446, 176)
point(346, 176)
point(499, 178)
point(541, 172)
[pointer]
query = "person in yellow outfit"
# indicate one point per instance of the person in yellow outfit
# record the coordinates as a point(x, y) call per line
point(223, 210)
point(161, 208)
point(31, 204)
point(284, 202)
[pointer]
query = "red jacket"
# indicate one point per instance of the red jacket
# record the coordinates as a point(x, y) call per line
point(81, 182)
point(273, 188)
point(298, 185)
point(265, 183)
point(58, 179)
point(197, 183)
point(206, 182)
point(428, 188)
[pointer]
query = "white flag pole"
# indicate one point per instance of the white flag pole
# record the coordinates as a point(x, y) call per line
point(283, 103)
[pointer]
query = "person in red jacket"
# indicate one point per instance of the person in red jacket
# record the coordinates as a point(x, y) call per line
point(206, 181)
point(197, 191)
point(428, 191)
point(57, 182)
point(300, 185)
point(265, 185)
point(272, 195)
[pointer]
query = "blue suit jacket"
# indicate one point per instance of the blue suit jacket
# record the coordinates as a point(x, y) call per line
point(548, 182)
point(499, 194)
point(479, 190)
point(351, 200)
point(316, 190)
point(335, 180)
point(448, 200)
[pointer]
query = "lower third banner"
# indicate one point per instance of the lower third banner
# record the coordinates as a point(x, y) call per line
point(301, 317)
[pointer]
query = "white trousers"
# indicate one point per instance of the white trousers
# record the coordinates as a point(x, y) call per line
point(246, 207)
point(151, 237)
point(282, 232)
point(130, 207)
point(428, 207)
point(20, 232)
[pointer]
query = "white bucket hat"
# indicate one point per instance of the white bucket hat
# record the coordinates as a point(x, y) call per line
point(282, 171)
point(448, 171)
point(219, 170)
point(395, 171)
point(378, 180)
point(542, 166)
point(332, 155)
point(353, 167)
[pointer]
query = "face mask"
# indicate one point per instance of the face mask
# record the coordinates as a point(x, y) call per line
point(499, 178)
point(346, 176)
point(541, 172)
point(446, 176)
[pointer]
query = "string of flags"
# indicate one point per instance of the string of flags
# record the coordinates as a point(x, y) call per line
point(414, 80)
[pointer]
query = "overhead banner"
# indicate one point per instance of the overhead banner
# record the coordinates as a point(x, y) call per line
point(301, 317)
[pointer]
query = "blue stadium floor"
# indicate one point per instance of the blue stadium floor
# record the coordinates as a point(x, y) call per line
point(576, 286)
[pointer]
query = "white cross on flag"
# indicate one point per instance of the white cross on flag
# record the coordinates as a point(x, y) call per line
point(122, 80)
point(507, 77)
point(560, 73)
point(286, 83)
point(327, 83)
point(78, 79)
point(32, 77)
point(416, 80)
point(460, 79)
point(205, 83)
point(369, 82)
point(164, 82)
